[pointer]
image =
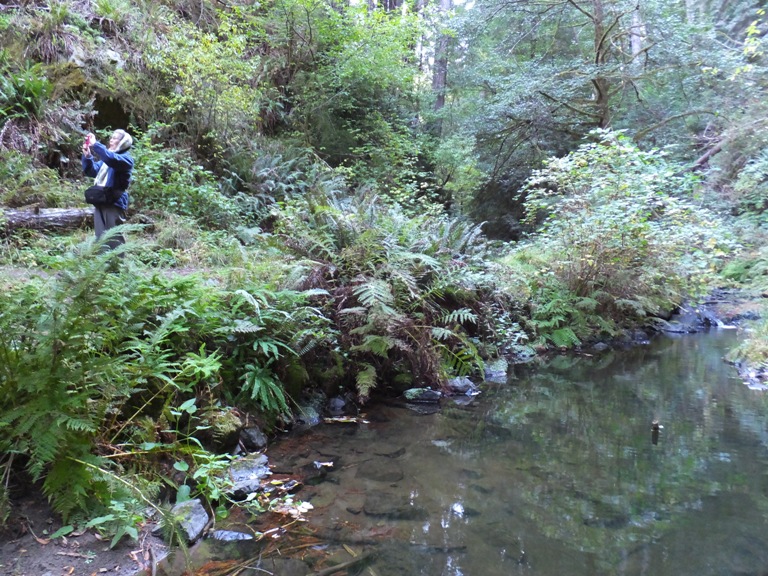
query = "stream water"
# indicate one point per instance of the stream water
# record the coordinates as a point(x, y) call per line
point(558, 472)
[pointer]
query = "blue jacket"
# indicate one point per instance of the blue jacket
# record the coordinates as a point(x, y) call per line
point(119, 172)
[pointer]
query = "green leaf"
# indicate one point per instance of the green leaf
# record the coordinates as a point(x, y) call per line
point(63, 531)
point(183, 493)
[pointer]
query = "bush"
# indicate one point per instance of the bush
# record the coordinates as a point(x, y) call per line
point(169, 181)
point(24, 182)
point(621, 230)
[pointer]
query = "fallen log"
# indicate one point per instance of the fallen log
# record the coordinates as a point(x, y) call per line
point(57, 219)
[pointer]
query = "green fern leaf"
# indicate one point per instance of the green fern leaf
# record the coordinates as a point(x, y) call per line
point(440, 333)
point(246, 327)
point(460, 316)
point(375, 344)
point(563, 337)
point(374, 292)
point(365, 381)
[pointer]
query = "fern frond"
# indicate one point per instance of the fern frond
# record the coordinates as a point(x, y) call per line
point(246, 327)
point(77, 424)
point(407, 279)
point(375, 344)
point(460, 316)
point(586, 304)
point(374, 292)
point(633, 306)
point(563, 337)
point(356, 310)
point(419, 258)
point(365, 380)
point(255, 300)
point(439, 333)
point(314, 292)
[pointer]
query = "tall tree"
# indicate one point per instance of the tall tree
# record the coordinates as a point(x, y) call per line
point(537, 75)
point(440, 73)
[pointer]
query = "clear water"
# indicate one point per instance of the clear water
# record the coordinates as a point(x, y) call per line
point(556, 472)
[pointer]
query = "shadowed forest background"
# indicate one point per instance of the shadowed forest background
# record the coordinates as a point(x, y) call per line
point(349, 199)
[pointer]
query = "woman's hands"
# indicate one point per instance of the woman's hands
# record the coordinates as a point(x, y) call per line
point(90, 138)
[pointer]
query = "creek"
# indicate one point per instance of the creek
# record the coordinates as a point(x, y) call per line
point(557, 472)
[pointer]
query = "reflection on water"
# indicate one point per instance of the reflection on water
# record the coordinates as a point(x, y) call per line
point(556, 473)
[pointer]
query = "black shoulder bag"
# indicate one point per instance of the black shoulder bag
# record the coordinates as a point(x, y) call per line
point(99, 195)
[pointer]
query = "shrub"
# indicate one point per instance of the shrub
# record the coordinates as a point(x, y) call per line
point(169, 181)
point(104, 375)
point(24, 182)
point(621, 229)
point(408, 295)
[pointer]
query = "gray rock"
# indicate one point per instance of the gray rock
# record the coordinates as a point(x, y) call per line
point(115, 58)
point(336, 406)
point(309, 409)
point(253, 439)
point(496, 370)
point(192, 518)
point(496, 376)
point(424, 395)
point(78, 56)
point(247, 474)
point(230, 535)
point(461, 385)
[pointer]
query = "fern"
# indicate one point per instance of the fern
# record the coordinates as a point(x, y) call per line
point(440, 333)
point(563, 337)
point(365, 381)
point(262, 389)
point(246, 327)
point(375, 344)
point(460, 316)
point(375, 293)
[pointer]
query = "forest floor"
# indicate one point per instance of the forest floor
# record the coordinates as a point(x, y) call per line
point(26, 548)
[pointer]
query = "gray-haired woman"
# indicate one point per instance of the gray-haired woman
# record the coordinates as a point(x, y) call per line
point(112, 167)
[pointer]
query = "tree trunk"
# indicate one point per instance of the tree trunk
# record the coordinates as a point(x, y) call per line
point(691, 11)
point(440, 72)
point(637, 35)
point(602, 46)
point(46, 219)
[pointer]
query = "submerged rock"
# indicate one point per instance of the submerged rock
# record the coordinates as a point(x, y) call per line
point(380, 471)
point(247, 474)
point(423, 409)
point(393, 506)
point(282, 567)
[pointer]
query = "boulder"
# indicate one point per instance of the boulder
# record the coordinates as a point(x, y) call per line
point(192, 518)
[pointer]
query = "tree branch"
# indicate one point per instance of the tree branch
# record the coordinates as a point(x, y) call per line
point(643, 133)
point(569, 106)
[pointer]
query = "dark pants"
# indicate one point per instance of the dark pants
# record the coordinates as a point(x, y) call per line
point(106, 217)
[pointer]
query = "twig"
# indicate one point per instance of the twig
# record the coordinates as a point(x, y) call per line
point(74, 555)
point(342, 566)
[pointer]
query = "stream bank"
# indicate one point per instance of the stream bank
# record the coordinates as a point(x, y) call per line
point(28, 550)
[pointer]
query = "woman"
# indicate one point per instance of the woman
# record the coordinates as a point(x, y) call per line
point(113, 170)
